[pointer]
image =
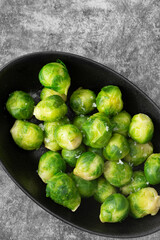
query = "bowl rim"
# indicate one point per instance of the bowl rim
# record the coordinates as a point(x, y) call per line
point(91, 61)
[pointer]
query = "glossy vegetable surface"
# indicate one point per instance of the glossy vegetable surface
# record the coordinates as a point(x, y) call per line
point(20, 105)
point(114, 209)
point(27, 135)
point(55, 75)
point(117, 173)
point(62, 190)
point(109, 100)
point(89, 166)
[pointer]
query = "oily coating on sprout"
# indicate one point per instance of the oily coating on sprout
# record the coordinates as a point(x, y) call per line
point(46, 92)
point(104, 189)
point(141, 128)
point(89, 166)
point(51, 108)
point(83, 101)
point(114, 209)
point(152, 169)
point(27, 135)
point(117, 148)
point(145, 201)
point(71, 156)
point(78, 121)
point(109, 100)
point(138, 181)
point(68, 136)
point(117, 173)
point(55, 75)
point(20, 105)
point(97, 131)
point(138, 152)
point(62, 190)
point(50, 163)
point(121, 123)
point(98, 151)
point(49, 133)
point(85, 188)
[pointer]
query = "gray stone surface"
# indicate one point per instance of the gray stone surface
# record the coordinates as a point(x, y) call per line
point(124, 35)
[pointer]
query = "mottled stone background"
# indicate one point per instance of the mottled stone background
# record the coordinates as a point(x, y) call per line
point(122, 34)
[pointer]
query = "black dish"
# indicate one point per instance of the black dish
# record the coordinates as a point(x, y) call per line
point(21, 166)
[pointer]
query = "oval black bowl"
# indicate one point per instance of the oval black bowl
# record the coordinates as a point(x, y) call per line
point(21, 166)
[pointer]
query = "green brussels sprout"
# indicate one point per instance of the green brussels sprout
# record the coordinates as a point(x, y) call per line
point(89, 166)
point(62, 190)
point(50, 163)
point(49, 136)
point(141, 128)
point(83, 101)
point(51, 108)
point(138, 152)
point(55, 75)
point(20, 105)
point(68, 136)
point(78, 121)
point(117, 173)
point(145, 201)
point(109, 100)
point(114, 209)
point(85, 188)
point(104, 189)
point(27, 135)
point(138, 181)
point(71, 156)
point(97, 131)
point(121, 123)
point(152, 169)
point(46, 92)
point(117, 148)
point(98, 151)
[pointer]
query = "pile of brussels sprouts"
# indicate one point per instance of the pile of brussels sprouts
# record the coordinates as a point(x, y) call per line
point(92, 155)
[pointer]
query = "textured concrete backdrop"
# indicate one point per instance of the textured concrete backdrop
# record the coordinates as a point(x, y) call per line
point(124, 35)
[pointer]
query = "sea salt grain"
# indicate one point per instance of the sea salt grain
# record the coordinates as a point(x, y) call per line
point(120, 162)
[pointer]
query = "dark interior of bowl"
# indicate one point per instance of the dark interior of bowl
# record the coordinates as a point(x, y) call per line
point(22, 74)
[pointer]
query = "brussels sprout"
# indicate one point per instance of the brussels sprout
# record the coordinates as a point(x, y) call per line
point(78, 121)
point(50, 163)
point(117, 173)
point(103, 190)
point(27, 135)
point(141, 128)
point(46, 92)
point(109, 100)
point(85, 188)
point(121, 123)
point(138, 152)
point(71, 156)
point(117, 148)
point(97, 131)
point(145, 201)
point(20, 105)
point(68, 136)
point(49, 133)
point(98, 151)
point(152, 169)
point(51, 108)
point(62, 190)
point(55, 75)
point(83, 101)
point(138, 181)
point(114, 209)
point(89, 166)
